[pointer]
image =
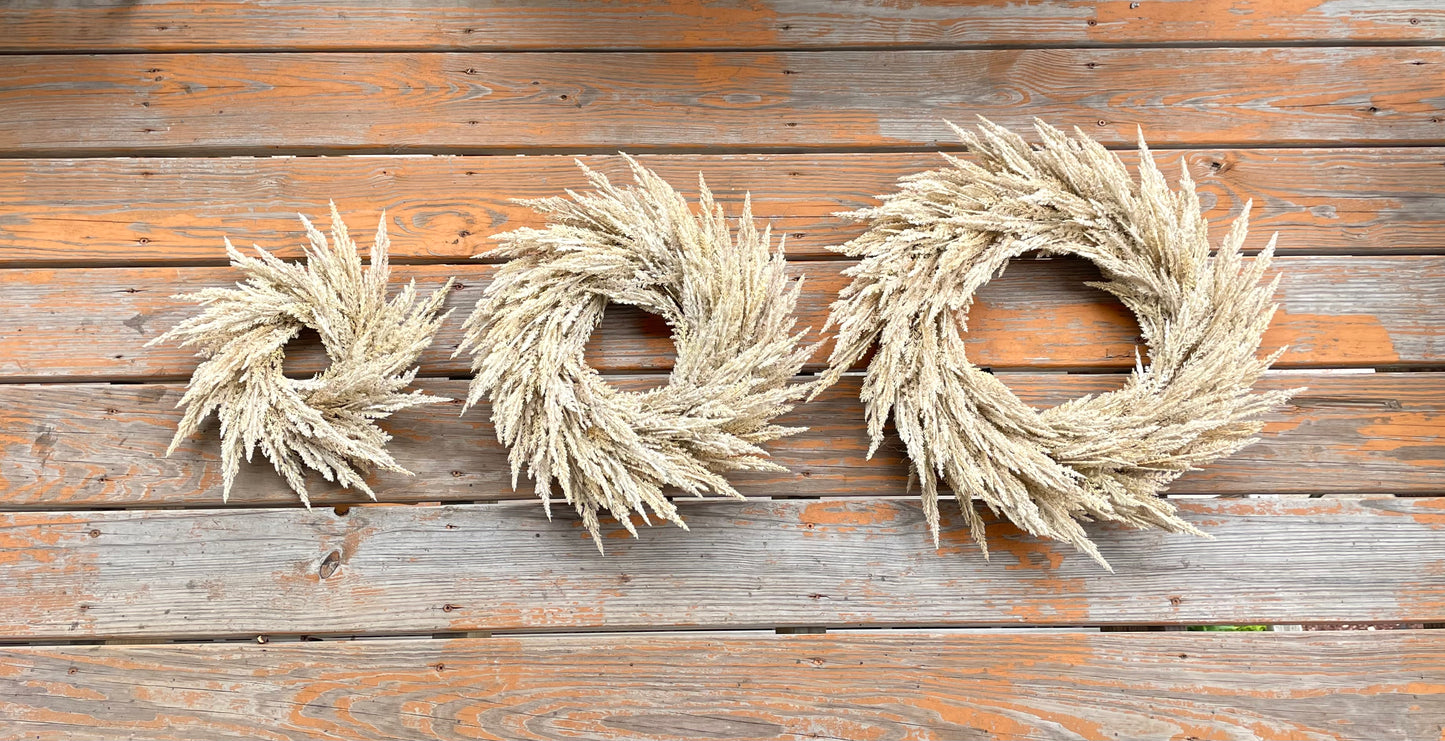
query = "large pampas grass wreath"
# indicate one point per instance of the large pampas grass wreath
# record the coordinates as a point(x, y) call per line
point(325, 423)
point(729, 303)
point(930, 246)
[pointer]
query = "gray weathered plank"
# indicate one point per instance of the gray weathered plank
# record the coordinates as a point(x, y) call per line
point(101, 445)
point(78, 324)
point(423, 569)
point(127, 25)
point(487, 102)
point(885, 684)
point(176, 210)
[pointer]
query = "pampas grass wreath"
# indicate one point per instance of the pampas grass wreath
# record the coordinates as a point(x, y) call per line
point(927, 250)
point(729, 303)
point(326, 423)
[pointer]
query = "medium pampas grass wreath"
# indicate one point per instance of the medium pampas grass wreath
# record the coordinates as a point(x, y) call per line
point(930, 246)
point(729, 303)
point(326, 423)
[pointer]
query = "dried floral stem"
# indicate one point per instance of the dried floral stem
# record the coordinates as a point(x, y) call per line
point(947, 232)
point(729, 304)
point(328, 422)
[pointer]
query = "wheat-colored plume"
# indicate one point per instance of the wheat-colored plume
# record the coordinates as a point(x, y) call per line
point(930, 247)
point(729, 303)
point(326, 423)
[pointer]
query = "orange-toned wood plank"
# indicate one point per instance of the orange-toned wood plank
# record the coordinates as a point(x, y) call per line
point(877, 684)
point(568, 24)
point(445, 208)
point(1334, 311)
point(454, 102)
point(82, 446)
point(499, 567)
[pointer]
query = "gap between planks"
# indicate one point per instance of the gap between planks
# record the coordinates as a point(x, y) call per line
point(945, 147)
point(606, 634)
point(703, 49)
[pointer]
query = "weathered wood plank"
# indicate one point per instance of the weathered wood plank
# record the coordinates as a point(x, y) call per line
point(425, 569)
point(80, 446)
point(1334, 311)
point(566, 24)
point(879, 684)
point(445, 208)
point(474, 102)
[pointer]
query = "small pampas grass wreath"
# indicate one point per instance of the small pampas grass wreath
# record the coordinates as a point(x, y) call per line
point(927, 250)
point(728, 302)
point(326, 423)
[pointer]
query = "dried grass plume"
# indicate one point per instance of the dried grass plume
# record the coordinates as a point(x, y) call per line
point(326, 423)
point(729, 303)
point(928, 249)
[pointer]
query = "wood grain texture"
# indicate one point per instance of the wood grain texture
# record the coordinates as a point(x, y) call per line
point(118, 25)
point(1334, 311)
point(445, 208)
point(488, 102)
point(883, 685)
point(84, 446)
point(505, 567)
point(120, 182)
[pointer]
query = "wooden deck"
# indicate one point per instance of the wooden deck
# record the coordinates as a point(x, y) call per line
point(134, 604)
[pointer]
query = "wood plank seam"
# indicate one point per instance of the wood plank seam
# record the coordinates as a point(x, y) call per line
point(706, 49)
point(567, 151)
point(281, 639)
